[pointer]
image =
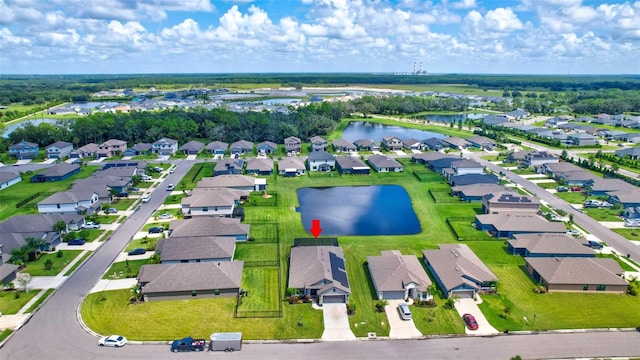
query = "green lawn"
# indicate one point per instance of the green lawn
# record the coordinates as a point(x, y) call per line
point(573, 197)
point(263, 232)
point(104, 312)
point(261, 293)
point(604, 214)
point(78, 263)
point(174, 199)
point(125, 269)
point(9, 197)
point(122, 204)
point(10, 305)
point(197, 172)
point(629, 233)
point(146, 243)
point(103, 219)
point(249, 251)
point(438, 320)
point(36, 268)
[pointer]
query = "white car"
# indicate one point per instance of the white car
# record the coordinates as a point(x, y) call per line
point(91, 225)
point(165, 216)
point(172, 170)
point(171, 187)
point(146, 198)
point(113, 340)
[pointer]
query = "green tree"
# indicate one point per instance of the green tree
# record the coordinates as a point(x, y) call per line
point(60, 227)
point(48, 264)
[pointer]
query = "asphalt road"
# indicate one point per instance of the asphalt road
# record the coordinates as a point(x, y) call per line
point(54, 332)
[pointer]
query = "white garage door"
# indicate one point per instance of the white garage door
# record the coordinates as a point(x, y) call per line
point(333, 299)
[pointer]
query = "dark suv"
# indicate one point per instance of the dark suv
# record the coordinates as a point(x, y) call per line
point(156, 230)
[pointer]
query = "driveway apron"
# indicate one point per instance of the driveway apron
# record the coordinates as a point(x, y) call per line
point(336, 323)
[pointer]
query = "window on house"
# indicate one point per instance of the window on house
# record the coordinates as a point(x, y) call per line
point(194, 293)
point(585, 287)
point(58, 206)
point(601, 287)
point(205, 209)
point(216, 291)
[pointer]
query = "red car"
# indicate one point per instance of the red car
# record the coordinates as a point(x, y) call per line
point(471, 322)
point(576, 188)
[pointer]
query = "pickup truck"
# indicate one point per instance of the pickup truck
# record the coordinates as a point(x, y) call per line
point(91, 225)
point(188, 344)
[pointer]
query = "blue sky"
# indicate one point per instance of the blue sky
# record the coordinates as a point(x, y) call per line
point(222, 36)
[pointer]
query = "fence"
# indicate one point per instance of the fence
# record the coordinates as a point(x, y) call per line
point(422, 176)
point(263, 263)
point(438, 198)
point(315, 242)
point(463, 236)
point(27, 200)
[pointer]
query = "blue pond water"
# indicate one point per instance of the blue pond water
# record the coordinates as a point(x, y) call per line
point(359, 210)
point(374, 131)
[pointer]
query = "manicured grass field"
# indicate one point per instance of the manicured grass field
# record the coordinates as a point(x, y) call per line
point(197, 172)
point(261, 294)
point(146, 243)
point(9, 197)
point(125, 269)
point(10, 305)
point(629, 233)
point(103, 219)
point(36, 268)
point(122, 204)
point(263, 232)
point(250, 251)
point(174, 199)
point(604, 214)
point(573, 197)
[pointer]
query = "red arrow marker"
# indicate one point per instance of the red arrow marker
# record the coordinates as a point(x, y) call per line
point(315, 228)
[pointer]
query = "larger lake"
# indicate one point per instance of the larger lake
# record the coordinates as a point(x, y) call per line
point(359, 210)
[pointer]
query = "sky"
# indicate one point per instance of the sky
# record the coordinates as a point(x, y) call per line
point(283, 36)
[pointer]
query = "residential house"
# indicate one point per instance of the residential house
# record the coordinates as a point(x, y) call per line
point(481, 142)
point(504, 225)
point(318, 143)
point(509, 202)
point(291, 166)
point(392, 143)
point(626, 198)
point(244, 183)
point(475, 192)
point(440, 162)
point(217, 147)
point(434, 143)
point(548, 245)
point(518, 114)
point(86, 151)
point(351, 165)
point(241, 147)
point(74, 201)
point(539, 158)
point(630, 153)
point(470, 179)
point(582, 139)
point(603, 187)
point(228, 167)
point(139, 165)
point(292, 144)
point(631, 213)
point(111, 147)
point(458, 271)
point(366, 145)
point(165, 146)
point(59, 150)
point(192, 147)
point(555, 122)
point(319, 271)
point(211, 202)
point(190, 280)
point(321, 161)
point(139, 149)
point(267, 147)
point(342, 145)
point(465, 167)
point(412, 144)
point(259, 166)
point(571, 274)
point(24, 150)
point(7, 271)
point(398, 277)
point(495, 120)
point(613, 134)
point(209, 226)
point(382, 163)
point(195, 249)
point(423, 158)
point(517, 156)
point(57, 172)
point(15, 230)
point(8, 178)
point(456, 142)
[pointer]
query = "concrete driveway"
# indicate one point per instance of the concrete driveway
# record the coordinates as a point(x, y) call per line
point(336, 323)
point(400, 329)
point(469, 306)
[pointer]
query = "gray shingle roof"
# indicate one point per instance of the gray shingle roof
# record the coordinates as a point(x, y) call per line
point(478, 189)
point(320, 155)
point(521, 222)
point(60, 144)
point(350, 162)
point(568, 270)
point(195, 248)
point(393, 271)
point(259, 164)
point(208, 226)
point(192, 146)
point(217, 145)
point(60, 169)
point(74, 195)
point(456, 264)
point(382, 161)
point(291, 163)
point(311, 266)
point(242, 144)
point(212, 197)
point(223, 181)
point(6, 176)
point(191, 276)
point(550, 244)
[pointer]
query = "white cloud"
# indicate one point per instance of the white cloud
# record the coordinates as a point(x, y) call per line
point(464, 4)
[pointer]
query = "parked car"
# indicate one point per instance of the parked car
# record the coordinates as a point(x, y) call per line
point(145, 178)
point(123, 194)
point(91, 225)
point(165, 216)
point(113, 340)
point(137, 251)
point(562, 189)
point(157, 169)
point(78, 241)
point(134, 188)
point(188, 344)
point(595, 245)
point(470, 321)
point(404, 311)
point(573, 232)
point(172, 170)
point(576, 188)
point(112, 211)
point(146, 198)
point(171, 187)
point(156, 230)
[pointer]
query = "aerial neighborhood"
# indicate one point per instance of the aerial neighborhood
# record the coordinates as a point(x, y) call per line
point(500, 205)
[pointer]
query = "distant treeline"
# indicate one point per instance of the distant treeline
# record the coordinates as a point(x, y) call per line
point(185, 125)
point(37, 89)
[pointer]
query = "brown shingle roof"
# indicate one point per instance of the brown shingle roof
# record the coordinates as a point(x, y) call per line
point(160, 278)
point(456, 264)
point(393, 271)
point(208, 226)
point(195, 248)
point(569, 270)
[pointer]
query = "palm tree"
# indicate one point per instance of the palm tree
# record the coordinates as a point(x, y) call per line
point(34, 246)
point(18, 255)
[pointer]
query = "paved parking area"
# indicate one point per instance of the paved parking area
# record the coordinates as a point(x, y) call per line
point(400, 329)
point(469, 306)
point(336, 323)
